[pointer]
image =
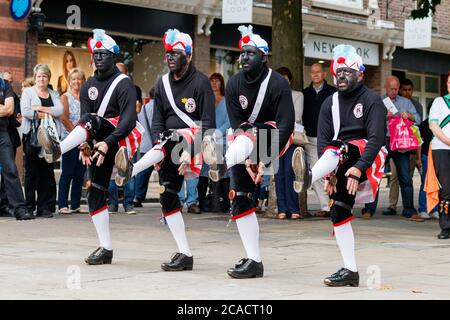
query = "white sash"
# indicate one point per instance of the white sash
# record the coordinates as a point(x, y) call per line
point(183, 116)
point(336, 116)
point(260, 98)
point(107, 97)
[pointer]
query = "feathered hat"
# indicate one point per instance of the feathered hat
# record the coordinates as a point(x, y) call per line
point(345, 56)
point(174, 39)
point(101, 41)
point(248, 38)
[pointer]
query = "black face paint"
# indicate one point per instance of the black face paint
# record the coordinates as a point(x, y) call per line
point(104, 60)
point(176, 61)
point(346, 79)
point(252, 61)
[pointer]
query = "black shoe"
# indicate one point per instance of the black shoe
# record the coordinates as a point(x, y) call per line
point(49, 142)
point(193, 208)
point(343, 277)
point(6, 212)
point(124, 167)
point(246, 268)
point(445, 234)
point(178, 262)
point(389, 212)
point(138, 203)
point(44, 214)
point(23, 214)
point(100, 256)
point(303, 175)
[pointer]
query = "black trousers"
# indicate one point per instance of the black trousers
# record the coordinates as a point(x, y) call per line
point(98, 129)
point(40, 180)
point(341, 211)
point(13, 193)
point(441, 159)
point(170, 180)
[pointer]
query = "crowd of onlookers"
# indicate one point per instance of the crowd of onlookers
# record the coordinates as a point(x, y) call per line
point(38, 100)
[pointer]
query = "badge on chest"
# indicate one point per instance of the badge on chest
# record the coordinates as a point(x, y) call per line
point(358, 111)
point(243, 101)
point(189, 104)
point(93, 93)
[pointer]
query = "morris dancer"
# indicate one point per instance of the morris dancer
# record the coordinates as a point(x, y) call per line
point(351, 131)
point(259, 101)
point(108, 116)
point(184, 111)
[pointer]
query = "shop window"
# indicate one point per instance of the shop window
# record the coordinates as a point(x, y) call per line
point(225, 62)
point(426, 88)
point(432, 84)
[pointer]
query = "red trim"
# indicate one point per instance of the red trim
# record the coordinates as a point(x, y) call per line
point(243, 214)
point(343, 222)
point(171, 212)
point(99, 210)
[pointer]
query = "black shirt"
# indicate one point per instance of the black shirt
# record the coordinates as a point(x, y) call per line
point(312, 105)
point(277, 104)
point(122, 102)
point(6, 91)
point(369, 124)
point(193, 95)
point(47, 102)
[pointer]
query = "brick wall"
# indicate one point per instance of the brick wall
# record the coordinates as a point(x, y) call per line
point(12, 44)
point(201, 52)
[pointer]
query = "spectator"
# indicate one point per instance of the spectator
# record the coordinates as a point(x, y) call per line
point(426, 135)
point(314, 96)
point(12, 186)
point(406, 110)
point(13, 124)
point(145, 118)
point(39, 175)
point(287, 198)
point(440, 145)
point(72, 168)
point(68, 63)
point(123, 69)
point(28, 82)
point(219, 201)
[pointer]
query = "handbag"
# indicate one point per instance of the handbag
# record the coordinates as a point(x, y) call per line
point(299, 137)
point(402, 136)
point(30, 141)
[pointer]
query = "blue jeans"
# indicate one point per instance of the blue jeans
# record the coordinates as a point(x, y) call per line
point(141, 183)
point(401, 161)
point(287, 198)
point(128, 194)
point(422, 194)
point(192, 196)
point(72, 172)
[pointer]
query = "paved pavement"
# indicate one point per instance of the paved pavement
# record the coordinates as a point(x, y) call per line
point(43, 259)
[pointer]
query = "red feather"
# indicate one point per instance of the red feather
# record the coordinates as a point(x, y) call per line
point(341, 60)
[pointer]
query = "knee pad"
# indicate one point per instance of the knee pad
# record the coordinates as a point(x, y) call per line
point(96, 198)
point(168, 198)
point(91, 123)
point(340, 212)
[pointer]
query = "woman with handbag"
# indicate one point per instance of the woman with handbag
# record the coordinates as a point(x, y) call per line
point(37, 103)
point(72, 170)
point(287, 198)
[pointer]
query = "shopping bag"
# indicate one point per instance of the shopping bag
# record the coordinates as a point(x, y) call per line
point(402, 137)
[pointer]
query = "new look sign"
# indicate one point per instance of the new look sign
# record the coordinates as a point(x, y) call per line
point(237, 11)
point(321, 47)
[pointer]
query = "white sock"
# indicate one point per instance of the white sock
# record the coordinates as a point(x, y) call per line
point(249, 231)
point(176, 225)
point(76, 137)
point(239, 150)
point(346, 242)
point(150, 158)
point(326, 164)
point(101, 223)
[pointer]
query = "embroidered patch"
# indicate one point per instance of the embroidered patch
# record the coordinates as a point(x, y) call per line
point(190, 105)
point(358, 110)
point(93, 93)
point(243, 101)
